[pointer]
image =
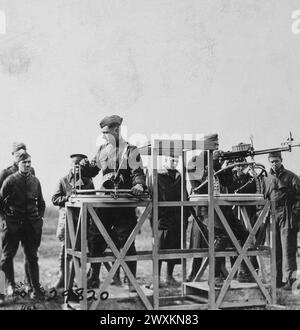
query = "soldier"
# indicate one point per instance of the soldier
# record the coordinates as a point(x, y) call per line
point(169, 218)
point(222, 239)
point(60, 197)
point(196, 174)
point(22, 207)
point(6, 173)
point(283, 187)
point(14, 167)
point(242, 182)
point(121, 166)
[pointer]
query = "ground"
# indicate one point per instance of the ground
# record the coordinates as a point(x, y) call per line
point(48, 261)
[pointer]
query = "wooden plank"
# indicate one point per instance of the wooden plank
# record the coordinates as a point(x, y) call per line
point(182, 203)
point(232, 197)
point(78, 272)
point(83, 260)
point(185, 307)
point(112, 258)
point(103, 231)
point(67, 246)
point(238, 260)
point(103, 202)
point(227, 228)
point(134, 282)
point(113, 248)
point(183, 226)
point(202, 269)
point(182, 254)
point(262, 265)
point(273, 252)
point(260, 219)
point(74, 253)
point(135, 231)
point(77, 237)
point(71, 230)
point(242, 255)
point(119, 258)
point(252, 303)
point(166, 299)
point(155, 229)
point(211, 231)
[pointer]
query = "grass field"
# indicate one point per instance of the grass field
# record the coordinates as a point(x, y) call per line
point(48, 261)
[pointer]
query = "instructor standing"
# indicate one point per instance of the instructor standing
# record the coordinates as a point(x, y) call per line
point(22, 207)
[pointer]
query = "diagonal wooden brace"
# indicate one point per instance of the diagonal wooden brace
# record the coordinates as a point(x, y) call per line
point(120, 256)
point(242, 252)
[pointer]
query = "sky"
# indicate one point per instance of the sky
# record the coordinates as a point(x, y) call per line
point(230, 67)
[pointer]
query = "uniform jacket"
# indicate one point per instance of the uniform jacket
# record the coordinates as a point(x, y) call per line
point(9, 171)
point(65, 187)
point(198, 176)
point(108, 159)
point(21, 200)
point(283, 187)
point(169, 189)
point(61, 195)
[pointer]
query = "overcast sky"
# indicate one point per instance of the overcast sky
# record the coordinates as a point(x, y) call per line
point(166, 66)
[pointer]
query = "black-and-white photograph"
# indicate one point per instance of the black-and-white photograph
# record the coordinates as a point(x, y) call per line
point(150, 157)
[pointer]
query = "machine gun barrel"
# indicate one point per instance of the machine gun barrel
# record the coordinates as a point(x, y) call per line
point(251, 152)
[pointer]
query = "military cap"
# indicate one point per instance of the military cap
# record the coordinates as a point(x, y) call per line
point(78, 157)
point(18, 146)
point(275, 154)
point(21, 155)
point(111, 120)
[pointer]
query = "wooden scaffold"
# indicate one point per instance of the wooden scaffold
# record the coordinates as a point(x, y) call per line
point(199, 294)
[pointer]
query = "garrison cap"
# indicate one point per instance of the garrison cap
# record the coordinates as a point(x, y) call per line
point(111, 120)
point(21, 155)
point(18, 146)
point(275, 154)
point(78, 157)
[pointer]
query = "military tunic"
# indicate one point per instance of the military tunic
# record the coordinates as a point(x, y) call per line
point(119, 222)
point(283, 188)
point(22, 207)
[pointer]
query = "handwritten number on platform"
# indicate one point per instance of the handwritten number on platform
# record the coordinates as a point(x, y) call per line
point(92, 296)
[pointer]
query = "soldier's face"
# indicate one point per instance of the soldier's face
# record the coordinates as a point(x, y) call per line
point(24, 165)
point(110, 134)
point(171, 163)
point(275, 163)
point(75, 165)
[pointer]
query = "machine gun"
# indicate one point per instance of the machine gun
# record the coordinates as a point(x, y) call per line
point(244, 150)
point(238, 155)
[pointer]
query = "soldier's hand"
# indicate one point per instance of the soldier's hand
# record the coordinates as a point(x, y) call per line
point(84, 162)
point(137, 189)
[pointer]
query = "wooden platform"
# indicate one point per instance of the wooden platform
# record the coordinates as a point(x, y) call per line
point(239, 294)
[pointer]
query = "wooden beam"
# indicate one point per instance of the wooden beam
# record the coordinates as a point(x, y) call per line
point(211, 231)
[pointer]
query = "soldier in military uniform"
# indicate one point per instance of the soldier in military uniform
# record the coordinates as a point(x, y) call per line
point(22, 207)
point(14, 167)
point(121, 165)
point(283, 187)
point(60, 197)
point(16, 147)
point(169, 218)
point(223, 180)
